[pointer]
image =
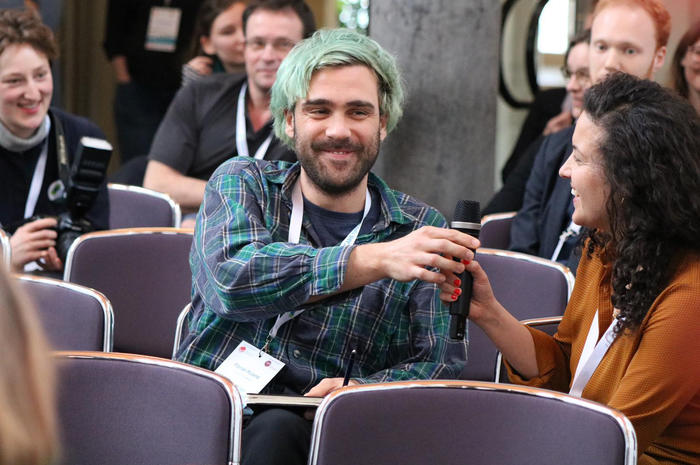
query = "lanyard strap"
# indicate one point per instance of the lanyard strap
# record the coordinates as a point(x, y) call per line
point(571, 230)
point(37, 181)
point(592, 355)
point(241, 134)
point(293, 237)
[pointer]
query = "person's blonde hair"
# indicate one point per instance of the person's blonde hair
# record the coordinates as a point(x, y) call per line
point(28, 433)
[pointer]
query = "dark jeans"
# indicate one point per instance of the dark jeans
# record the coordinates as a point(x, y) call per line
point(138, 110)
point(276, 436)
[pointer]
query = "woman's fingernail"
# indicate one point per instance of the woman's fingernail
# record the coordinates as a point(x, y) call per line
point(457, 292)
point(466, 262)
point(458, 282)
point(454, 296)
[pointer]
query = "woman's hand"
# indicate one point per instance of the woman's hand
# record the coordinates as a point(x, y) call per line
point(35, 241)
point(201, 65)
point(482, 298)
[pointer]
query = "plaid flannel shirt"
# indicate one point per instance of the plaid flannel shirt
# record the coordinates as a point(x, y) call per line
point(245, 274)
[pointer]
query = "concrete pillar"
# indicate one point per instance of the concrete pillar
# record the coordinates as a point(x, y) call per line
point(443, 149)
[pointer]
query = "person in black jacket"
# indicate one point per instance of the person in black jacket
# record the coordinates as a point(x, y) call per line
point(30, 185)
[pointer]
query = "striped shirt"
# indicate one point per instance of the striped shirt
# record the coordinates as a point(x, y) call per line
point(245, 273)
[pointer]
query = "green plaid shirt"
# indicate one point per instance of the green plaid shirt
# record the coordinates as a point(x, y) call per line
point(245, 273)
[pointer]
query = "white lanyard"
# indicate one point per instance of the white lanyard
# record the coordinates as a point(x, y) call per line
point(293, 237)
point(241, 135)
point(571, 230)
point(593, 352)
point(37, 181)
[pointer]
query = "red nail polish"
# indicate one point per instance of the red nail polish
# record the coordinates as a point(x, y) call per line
point(466, 262)
point(458, 282)
point(457, 292)
point(454, 296)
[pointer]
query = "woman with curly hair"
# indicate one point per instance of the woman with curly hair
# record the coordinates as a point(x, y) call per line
point(635, 177)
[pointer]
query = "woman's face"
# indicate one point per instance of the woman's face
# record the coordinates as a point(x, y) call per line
point(585, 171)
point(226, 37)
point(26, 87)
point(691, 66)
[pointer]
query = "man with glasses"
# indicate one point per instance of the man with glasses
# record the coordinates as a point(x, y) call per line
point(227, 115)
point(627, 36)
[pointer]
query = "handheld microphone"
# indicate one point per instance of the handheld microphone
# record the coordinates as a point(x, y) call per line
point(467, 219)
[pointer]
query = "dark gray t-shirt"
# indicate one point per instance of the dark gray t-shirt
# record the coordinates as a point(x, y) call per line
point(198, 132)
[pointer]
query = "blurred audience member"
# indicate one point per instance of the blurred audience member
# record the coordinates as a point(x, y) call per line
point(30, 182)
point(28, 434)
point(146, 41)
point(628, 36)
point(510, 197)
point(218, 41)
point(227, 115)
point(686, 66)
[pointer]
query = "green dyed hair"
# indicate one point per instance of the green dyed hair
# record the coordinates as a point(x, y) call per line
point(332, 48)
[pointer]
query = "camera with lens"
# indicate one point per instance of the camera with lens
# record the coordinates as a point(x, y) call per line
point(82, 183)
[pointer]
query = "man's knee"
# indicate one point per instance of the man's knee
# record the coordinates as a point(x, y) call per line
point(276, 436)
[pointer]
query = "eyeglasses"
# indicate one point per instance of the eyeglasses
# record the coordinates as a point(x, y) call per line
point(581, 75)
point(278, 45)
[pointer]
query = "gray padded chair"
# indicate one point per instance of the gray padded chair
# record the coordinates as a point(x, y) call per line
point(528, 287)
point(495, 230)
point(117, 409)
point(5, 250)
point(467, 422)
point(74, 317)
point(145, 273)
point(135, 207)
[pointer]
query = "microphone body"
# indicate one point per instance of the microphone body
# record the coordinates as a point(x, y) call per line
point(467, 219)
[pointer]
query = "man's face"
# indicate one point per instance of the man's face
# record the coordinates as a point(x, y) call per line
point(623, 38)
point(337, 128)
point(270, 35)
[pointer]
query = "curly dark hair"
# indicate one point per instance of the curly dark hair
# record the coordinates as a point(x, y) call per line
point(650, 151)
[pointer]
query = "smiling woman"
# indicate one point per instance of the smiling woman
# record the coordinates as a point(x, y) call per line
point(30, 184)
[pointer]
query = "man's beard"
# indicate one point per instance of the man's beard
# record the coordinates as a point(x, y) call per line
point(318, 173)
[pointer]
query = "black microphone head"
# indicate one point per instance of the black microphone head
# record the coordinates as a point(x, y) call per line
point(468, 211)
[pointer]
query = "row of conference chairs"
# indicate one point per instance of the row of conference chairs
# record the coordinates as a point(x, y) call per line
point(124, 408)
point(124, 290)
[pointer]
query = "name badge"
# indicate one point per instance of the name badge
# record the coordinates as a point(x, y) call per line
point(163, 26)
point(249, 368)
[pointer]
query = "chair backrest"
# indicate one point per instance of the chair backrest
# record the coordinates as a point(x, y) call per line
point(547, 324)
point(528, 287)
point(145, 273)
point(74, 317)
point(181, 328)
point(117, 409)
point(5, 250)
point(495, 230)
point(135, 207)
point(444, 422)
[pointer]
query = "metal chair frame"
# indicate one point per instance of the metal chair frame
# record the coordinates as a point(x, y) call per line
point(6, 249)
point(180, 328)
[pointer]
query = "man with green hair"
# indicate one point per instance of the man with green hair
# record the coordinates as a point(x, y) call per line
point(314, 260)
